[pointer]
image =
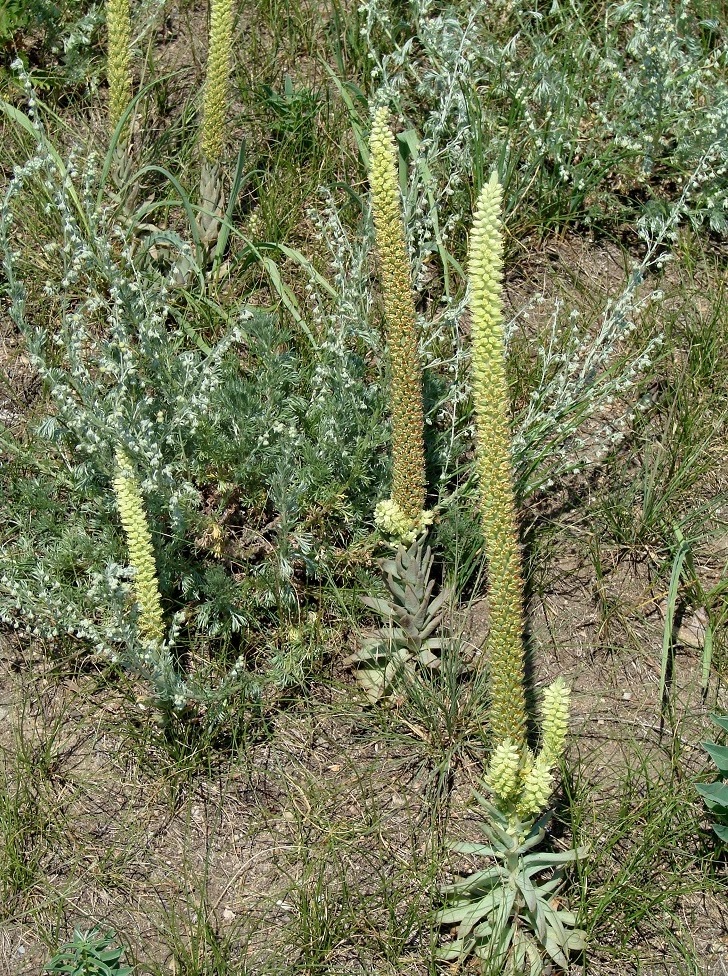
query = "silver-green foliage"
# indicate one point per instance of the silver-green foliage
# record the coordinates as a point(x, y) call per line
point(508, 913)
point(580, 113)
point(540, 96)
point(263, 442)
point(119, 377)
point(411, 636)
point(63, 36)
point(585, 398)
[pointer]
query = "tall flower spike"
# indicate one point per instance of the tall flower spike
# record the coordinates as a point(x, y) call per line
point(408, 453)
point(216, 83)
point(497, 500)
point(141, 554)
point(118, 64)
point(554, 721)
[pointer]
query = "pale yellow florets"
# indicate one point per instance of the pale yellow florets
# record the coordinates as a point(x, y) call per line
point(391, 520)
point(554, 720)
point(535, 789)
point(118, 63)
point(521, 783)
point(141, 554)
point(503, 777)
point(408, 456)
point(493, 461)
point(216, 83)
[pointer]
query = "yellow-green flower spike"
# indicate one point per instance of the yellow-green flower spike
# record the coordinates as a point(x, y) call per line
point(408, 454)
point(497, 500)
point(392, 521)
point(216, 83)
point(535, 790)
point(503, 777)
point(118, 63)
point(554, 721)
point(141, 554)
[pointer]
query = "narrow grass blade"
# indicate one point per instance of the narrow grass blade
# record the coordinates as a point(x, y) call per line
point(683, 550)
point(227, 223)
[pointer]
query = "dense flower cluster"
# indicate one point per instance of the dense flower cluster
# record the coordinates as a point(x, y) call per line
point(118, 70)
point(391, 520)
point(216, 83)
point(520, 781)
point(493, 462)
point(408, 460)
point(130, 503)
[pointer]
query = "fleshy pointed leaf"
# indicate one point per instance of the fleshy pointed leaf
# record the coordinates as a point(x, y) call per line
point(576, 941)
point(719, 755)
point(378, 605)
point(468, 916)
point(467, 847)
point(714, 794)
point(527, 890)
point(721, 721)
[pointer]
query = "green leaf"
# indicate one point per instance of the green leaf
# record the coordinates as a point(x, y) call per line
point(476, 882)
point(378, 605)
point(721, 721)
point(21, 119)
point(227, 223)
point(469, 915)
point(458, 949)
point(465, 847)
point(576, 942)
point(540, 862)
point(715, 794)
point(528, 891)
point(719, 755)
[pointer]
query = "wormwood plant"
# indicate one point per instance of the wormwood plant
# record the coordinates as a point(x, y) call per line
point(654, 107)
point(505, 912)
point(583, 398)
point(59, 41)
point(256, 467)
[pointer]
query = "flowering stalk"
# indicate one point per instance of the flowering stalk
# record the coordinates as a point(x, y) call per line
point(141, 554)
point(404, 512)
point(212, 136)
point(118, 64)
point(521, 781)
point(503, 912)
point(216, 83)
point(497, 499)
